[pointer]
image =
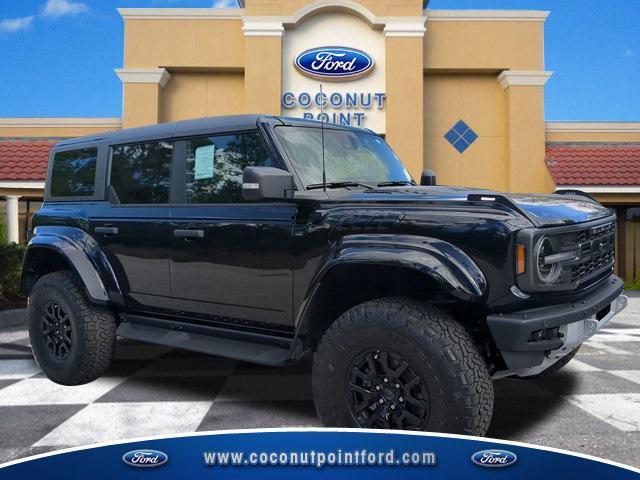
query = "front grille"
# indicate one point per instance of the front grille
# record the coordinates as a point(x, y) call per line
point(596, 247)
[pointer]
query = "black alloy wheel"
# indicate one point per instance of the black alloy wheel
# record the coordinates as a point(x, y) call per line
point(384, 391)
point(56, 330)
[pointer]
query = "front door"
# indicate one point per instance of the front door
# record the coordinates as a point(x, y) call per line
point(231, 261)
point(134, 229)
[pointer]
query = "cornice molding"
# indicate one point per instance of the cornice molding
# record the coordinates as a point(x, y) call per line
point(526, 78)
point(486, 15)
point(593, 127)
point(181, 13)
point(158, 76)
point(23, 122)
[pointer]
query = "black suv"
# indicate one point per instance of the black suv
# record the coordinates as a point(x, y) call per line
point(264, 238)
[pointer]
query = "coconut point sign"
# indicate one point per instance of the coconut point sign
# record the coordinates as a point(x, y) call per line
point(330, 66)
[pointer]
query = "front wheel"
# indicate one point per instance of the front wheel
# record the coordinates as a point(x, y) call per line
point(398, 363)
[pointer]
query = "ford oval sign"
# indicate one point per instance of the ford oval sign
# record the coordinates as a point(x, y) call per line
point(494, 458)
point(145, 458)
point(334, 63)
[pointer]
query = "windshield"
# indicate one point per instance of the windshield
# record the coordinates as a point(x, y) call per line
point(349, 156)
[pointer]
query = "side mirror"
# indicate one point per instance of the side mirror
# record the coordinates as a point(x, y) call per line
point(266, 183)
point(428, 178)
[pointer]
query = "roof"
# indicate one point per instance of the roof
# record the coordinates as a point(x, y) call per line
point(23, 159)
point(594, 163)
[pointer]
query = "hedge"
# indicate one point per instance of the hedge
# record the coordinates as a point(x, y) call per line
point(11, 256)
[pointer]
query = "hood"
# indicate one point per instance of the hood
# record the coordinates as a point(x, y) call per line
point(541, 210)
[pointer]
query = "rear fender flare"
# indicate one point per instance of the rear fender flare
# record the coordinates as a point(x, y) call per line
point(85, 257)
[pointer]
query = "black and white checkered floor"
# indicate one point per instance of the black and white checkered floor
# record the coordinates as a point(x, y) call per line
point(592, 406)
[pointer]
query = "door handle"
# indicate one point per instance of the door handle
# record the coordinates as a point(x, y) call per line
point(107, 230)
point(188, 233)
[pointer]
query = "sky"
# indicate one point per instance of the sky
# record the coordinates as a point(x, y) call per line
point(57, 56)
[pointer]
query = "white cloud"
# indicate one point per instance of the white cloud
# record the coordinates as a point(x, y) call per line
point(60, 8)
point(15, 24)
point(225, 3)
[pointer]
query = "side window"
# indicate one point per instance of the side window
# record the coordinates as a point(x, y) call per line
point(141, 173)
point(74, 173)
point(215, 165)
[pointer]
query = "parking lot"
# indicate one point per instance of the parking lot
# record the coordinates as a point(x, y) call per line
point(592, 406)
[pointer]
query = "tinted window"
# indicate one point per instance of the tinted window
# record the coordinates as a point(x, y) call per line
point(141, 173)
point(348, 155)
point(74, 173)
point(215, 166)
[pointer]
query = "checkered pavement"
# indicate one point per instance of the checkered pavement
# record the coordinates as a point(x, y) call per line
point(591, 406)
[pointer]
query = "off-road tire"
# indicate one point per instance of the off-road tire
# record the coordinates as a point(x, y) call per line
point(552, 369)
point(436, 346)
point(93, 330)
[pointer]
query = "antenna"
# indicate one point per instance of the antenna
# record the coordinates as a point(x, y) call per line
point(324, 169)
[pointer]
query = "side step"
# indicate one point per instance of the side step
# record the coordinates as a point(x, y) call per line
point(246, 346)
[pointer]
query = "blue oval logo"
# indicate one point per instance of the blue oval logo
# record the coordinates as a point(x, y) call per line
point(334, 63)
point(494, 458)
point(145, 458)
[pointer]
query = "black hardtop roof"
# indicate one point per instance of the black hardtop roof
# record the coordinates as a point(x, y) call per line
point(189, 128)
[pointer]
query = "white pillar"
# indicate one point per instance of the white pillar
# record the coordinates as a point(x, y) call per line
point(13, 234)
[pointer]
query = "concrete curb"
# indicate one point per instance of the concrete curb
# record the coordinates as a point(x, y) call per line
point(13, 318)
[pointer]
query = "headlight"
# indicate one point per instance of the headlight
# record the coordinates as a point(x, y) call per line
point(548, 272)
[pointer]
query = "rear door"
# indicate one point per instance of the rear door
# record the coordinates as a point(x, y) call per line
point(231, 261)
point(133, 227)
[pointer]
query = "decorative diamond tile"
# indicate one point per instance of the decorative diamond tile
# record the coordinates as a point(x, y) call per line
point(461, 136)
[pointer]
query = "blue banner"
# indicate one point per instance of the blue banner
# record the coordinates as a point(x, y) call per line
point(296, 454)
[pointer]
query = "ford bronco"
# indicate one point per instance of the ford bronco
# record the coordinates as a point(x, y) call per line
point(266, 239)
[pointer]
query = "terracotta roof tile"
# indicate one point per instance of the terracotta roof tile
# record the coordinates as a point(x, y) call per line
point(23, 159)
point(594, 163)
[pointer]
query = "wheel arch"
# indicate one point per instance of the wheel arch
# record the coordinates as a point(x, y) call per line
point(364, 267)
point(67, 248)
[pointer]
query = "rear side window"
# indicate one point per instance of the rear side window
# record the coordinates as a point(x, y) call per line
point(74, 173)
point(141, 173)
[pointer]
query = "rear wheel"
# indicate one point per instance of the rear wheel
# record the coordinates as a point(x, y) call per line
point(401, 364)
point(72, 340)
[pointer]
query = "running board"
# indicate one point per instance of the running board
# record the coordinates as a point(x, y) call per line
point(246, 346)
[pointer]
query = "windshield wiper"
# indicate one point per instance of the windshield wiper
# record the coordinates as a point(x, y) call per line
point(316, 186)
point(395, 183)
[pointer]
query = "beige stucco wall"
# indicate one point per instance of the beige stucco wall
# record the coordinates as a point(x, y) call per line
point(194, 95)
point(478, 100)
point(188, 43)
point(593, 132)
point(485, 45)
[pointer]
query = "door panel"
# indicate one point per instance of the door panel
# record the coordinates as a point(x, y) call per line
point(240, 269)
point(137, 242)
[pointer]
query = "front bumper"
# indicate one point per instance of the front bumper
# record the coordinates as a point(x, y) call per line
point(577, 321)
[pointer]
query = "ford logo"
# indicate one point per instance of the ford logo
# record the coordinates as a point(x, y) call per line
point(334, 63)
point(494, 458)
point(145, 458)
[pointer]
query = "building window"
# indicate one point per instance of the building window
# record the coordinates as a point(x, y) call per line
point(74, 173)
point(461, 136)
point(215, 166)
point(141, 173)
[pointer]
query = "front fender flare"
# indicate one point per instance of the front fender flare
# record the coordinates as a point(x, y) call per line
point(83, 254)
point(445, 263)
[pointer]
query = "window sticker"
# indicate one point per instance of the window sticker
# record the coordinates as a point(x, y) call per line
point(205, 160)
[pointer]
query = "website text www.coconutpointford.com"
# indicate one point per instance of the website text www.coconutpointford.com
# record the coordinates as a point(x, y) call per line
point(319, 459)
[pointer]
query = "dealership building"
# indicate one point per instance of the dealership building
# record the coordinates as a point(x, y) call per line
point(460, 92)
